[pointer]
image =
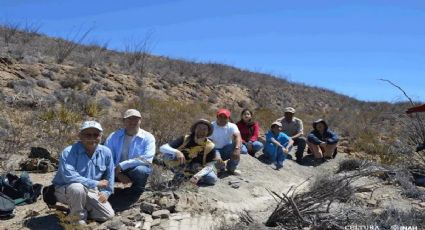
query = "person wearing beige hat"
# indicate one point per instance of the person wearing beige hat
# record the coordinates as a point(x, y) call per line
point(133, 150)
point(85, 177)
point(293, 127)
point(194, 153)
point(277, 145)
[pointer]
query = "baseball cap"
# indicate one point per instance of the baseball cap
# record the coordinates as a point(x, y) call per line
point(225, 112)
point(91, 124)
point(276, 123)
point(289, 110)
point(131, 113)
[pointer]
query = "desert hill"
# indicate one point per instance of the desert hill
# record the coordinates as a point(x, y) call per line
point(49, 85)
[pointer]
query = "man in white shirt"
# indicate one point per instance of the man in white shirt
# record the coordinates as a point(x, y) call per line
point(133, 150)
point(227, 140)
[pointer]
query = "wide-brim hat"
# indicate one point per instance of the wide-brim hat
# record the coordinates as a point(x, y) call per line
point(202, 121)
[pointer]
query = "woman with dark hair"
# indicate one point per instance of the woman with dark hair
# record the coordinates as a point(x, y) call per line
point(322, 141)
point(249, 131)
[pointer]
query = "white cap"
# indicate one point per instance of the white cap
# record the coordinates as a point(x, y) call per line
point(132, 113)
point(276, 123)
point(91, 124)
point(289, 110)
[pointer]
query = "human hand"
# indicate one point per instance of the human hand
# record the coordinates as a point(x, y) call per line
point(180, 157)
point(103, 183)
point(236, 154)
point(323, 144)
point(194, 180)
point(249, 146)
point(219, 162)
point(102, 197)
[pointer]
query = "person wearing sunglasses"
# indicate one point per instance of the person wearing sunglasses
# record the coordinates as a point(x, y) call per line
point(85, 177)
point(133, 150)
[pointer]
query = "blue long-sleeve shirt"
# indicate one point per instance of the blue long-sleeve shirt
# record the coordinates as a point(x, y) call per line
point(140, 151)
point(75, 166)
point(282, 138)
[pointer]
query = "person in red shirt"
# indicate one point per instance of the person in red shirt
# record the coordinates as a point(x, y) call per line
point(250, 130)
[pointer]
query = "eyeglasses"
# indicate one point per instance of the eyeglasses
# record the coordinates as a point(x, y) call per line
point(91, 135)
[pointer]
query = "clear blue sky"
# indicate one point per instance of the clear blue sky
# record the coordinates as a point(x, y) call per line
point(342, 45)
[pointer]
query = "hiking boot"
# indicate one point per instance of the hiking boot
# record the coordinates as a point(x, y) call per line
point(235, 172)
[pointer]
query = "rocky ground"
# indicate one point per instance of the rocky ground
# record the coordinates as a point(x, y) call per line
point(210, 207)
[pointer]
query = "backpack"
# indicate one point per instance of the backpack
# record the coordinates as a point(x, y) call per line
point(7, 207)
point(20, 189)
point(49, 195)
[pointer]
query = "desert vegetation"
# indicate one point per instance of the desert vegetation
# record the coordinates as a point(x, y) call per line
point(49, 85)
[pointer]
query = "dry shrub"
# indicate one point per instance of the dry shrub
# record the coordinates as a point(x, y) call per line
point(169, 119)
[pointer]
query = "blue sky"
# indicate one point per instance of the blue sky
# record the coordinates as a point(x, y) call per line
point(342, 45)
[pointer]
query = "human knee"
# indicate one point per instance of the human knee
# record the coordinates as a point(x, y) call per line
point(210, 179)
point(76, 189)
point(106, 214)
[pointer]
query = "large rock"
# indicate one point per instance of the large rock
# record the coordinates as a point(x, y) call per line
point(147, 207)
point(164, 213)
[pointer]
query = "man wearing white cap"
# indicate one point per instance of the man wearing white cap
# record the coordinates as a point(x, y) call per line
point(133, 150)
point(85, 176)
point(293, 127)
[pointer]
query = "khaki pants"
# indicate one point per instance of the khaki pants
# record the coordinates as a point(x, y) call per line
point(83, 202)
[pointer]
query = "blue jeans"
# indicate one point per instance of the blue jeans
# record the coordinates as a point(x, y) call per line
point(209, 179)
point(226, 153)
point(274, 153)
point(256, 146)
point(138, 176)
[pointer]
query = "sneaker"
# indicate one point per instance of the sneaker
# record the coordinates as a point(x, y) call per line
point(81, 222)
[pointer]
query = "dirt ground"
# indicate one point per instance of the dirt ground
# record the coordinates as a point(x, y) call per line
point(252, 195)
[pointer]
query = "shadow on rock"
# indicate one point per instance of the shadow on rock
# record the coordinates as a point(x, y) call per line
point(123, 199)
point(49, 222)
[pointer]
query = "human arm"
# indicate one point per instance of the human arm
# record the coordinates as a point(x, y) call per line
point(109, 176)
point(332, 138)
point(300, 130)
point(256, 132)
point(145, 152)
point(172, 153)
point(68, 169)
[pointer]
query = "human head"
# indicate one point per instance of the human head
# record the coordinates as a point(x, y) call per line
point(90, 135)
point(223, 116)
point(276, 127)
point(320, 125)
point(201, 128)
point(246, 115)
point(132, 120)
point(289, 113)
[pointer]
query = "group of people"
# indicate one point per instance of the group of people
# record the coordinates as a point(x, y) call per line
point(88, 170)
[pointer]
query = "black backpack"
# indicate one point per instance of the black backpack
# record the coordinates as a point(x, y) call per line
point(7, 207)
point(20, 189)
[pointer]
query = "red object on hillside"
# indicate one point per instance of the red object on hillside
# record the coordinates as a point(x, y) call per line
point(416, 109)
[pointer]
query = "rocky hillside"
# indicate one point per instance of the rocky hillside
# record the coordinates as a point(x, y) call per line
point(53, 84)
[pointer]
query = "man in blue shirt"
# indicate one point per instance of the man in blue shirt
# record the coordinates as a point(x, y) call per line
point(133, 150)
point(85, 177)
point(277, 144)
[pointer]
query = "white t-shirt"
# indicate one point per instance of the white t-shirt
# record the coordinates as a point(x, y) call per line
point(223, 135)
